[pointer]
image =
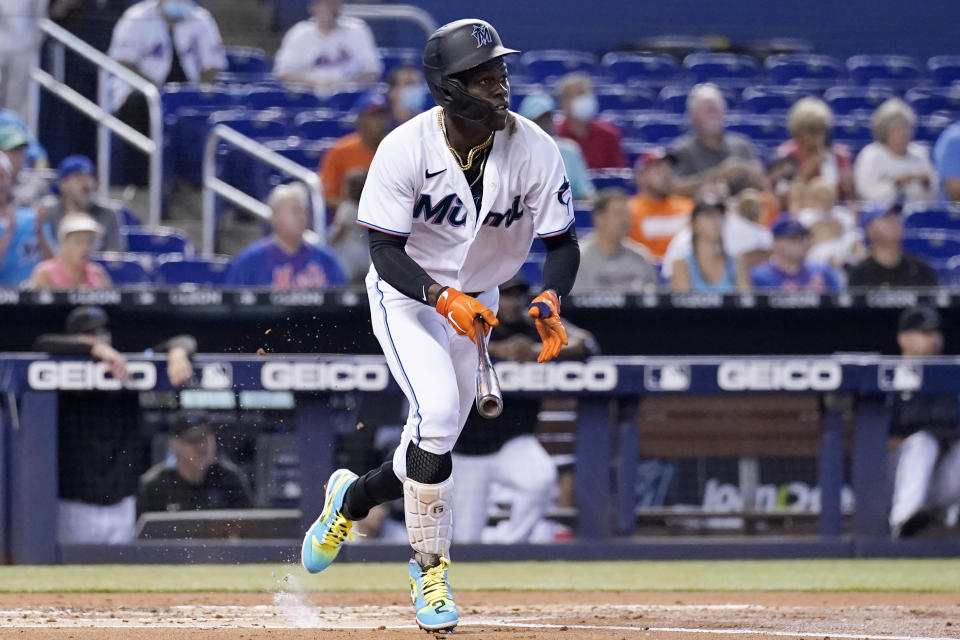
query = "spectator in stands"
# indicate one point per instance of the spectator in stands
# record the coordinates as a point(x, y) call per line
point(657, 212)
point(706, 265)
point(894, 167)
point(19, 43)
point(355, 150)
point(406, 94)
point(813, 156)
point(539, 107)
point(505, 450)
point(72, 267)
point(599, 140)
point(283, 260)
point(99, 440)
point(195, 478)
point(28, 187)
point(887, 265)
point(20, 231)
point(709, 155)
point(329, 50)
point(946, 159)
point(348, 239)
point(835, 239)
point(36, 155)
point(787, 270)
point(76, 184)
point(609, 260)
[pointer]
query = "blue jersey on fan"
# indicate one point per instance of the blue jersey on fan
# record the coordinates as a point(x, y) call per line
point(811, 278)
point(265, 264)
point(23, 253)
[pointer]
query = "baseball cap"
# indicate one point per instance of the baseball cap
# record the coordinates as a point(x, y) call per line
point(74, 164)
point(87, 320)
point(650, 156)
point(11, 138)
point(76, 222)
point(919, 319)
point(787, 225)
point(871, 213)
point(535, 105)
point(371, 103)
point(187, 421)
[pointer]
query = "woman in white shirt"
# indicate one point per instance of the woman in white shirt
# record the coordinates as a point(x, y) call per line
point(894, 166)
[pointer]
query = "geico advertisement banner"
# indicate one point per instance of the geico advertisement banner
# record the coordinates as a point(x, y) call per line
point(50, 375)
point(779, 375)
point(556, 376)
point(324, 376)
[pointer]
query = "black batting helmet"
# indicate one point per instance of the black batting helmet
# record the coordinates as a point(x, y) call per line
point(87, 320)
point(452, 49)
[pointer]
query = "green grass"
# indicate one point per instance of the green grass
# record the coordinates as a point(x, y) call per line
point(937, 575)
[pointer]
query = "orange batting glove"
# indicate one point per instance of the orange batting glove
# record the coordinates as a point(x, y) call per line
point(546, 309)
point(460, 309)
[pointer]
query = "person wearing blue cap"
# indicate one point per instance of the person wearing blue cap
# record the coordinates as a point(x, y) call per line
point(787, 270)
point(76, 185)
point(888, 265)
point(539, 107)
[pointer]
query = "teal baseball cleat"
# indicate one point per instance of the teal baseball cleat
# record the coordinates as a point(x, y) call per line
point(431, 596)
point(323, 540)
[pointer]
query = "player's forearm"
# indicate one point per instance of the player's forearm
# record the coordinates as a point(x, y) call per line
point(400, 270)
point(562, 262)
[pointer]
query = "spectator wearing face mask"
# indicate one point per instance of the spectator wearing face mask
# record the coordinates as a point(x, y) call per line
point(539, 107)
point(599, 140)
point(406, 94)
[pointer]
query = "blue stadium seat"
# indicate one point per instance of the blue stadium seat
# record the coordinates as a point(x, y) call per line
point(255, 124)
point(519, 91)
point(306, 153)
point(945, 70)
point(933, 245)
point(549, 64)
point(722, 68)
point(788, 67)
point(189, 128)
point(322, 123)
point(247, 60)
point(931, 215)
point(532, 270)
point(344, 100)
point(929, 100)
point(817, 86)
point(125, 268)
point(621, 178)
point(634, 148)
point(265, 97)
point(394, 57)
point(177, 96)
point(613, 98)
point(845, 100)
point(645, 68)
point(659, 127)
point(157, 240)
point(865, 69)
point(929, 128)
point(770, 99)
point(127, 217)
point(583, 219)
point(852, 129)
point(177, 269)
point(762, 128)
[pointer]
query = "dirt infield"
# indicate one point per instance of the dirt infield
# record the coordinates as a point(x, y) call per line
point(506, 615)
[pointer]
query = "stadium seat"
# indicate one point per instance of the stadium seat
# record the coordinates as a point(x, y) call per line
point(728, 69)
point(549, 64)
point(762, 128)
point(644, 68)
point(786, 68)
point(852, 129)
point(125, 268)
point(394, 57)
point(929, 100)
point(950, 273)
point(255, 124)
point(931, 215)
point(306, 153)
point(265, 97)
point(247, 60)
point(770, 99)
point(658, 127)
point(845, 100)
point(344, 100)
point(929, 128)
point(188, 129)
point(322, 123)
point(532, 269)
point(634, 148)
point(177, 269)
point(177, 96)
point(866, 69)
point(620, 178)
point(583, 219)
point(945, 70)
point(625, 99)
point(157, 240)
point(933, 245)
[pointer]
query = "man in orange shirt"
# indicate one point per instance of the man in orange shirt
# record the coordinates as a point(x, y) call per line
point(656, 212)
point(354, 151)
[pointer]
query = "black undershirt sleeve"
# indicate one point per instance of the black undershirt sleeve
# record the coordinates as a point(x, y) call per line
point(562, 262)
point(399, 270)
point(65, 345)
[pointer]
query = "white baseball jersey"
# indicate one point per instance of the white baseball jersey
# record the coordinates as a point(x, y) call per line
point(416, 189)
point(142, 38)
point(339, 56)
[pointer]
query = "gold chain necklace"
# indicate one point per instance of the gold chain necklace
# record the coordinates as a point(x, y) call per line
point(483, 165)
point(473, 152)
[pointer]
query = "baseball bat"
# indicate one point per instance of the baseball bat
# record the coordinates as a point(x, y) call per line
point(489, 398)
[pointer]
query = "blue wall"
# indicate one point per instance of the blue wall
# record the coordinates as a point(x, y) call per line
point(839, 27)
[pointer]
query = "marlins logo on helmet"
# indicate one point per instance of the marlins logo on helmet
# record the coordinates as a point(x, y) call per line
point(482, 34)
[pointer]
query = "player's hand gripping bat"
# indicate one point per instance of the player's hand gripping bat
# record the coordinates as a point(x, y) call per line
point(489, 398)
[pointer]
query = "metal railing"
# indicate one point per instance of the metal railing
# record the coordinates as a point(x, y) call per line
point(99, 112)
point(406, 12)
point(214, 186)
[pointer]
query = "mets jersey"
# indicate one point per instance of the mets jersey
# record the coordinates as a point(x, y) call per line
point(416, 189)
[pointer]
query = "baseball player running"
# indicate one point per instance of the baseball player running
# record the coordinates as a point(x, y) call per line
point(453, 201)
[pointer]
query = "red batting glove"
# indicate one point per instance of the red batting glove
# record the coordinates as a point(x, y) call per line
point(460, 310)
point(546, 309)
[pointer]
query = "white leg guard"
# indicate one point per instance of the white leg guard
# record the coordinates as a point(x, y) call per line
point(429, 516)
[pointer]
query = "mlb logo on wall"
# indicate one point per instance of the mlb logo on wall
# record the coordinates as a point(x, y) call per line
point(217, 375)
point(900, 377)
point(671, 377)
